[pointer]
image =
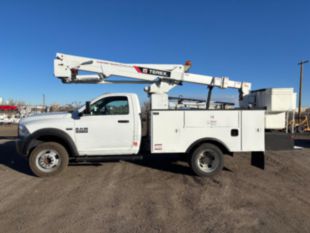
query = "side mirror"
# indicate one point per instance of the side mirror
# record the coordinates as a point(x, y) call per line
point(87, 108)
point(103, 110)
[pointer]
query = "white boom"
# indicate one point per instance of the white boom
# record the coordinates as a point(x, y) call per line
point(162, 77)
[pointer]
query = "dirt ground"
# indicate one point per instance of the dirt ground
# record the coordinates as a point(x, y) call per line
point(157, 195)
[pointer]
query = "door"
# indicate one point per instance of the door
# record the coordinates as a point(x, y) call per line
point(108, 129)
point(253, 130)
point(166, 129)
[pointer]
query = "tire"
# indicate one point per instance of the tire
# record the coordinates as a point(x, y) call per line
point(207, 160)
point(48, 159)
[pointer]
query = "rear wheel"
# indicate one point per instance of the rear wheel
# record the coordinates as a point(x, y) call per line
point(206, 160)
point(48, 159)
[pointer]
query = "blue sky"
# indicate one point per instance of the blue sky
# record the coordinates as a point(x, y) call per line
point(256, 41)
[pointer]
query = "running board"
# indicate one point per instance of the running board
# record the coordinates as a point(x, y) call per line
point(103, 158)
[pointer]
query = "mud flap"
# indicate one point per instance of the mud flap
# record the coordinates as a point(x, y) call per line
point(258, 159)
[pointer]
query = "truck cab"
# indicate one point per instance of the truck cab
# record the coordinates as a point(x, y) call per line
point(105, 126)
point(117, 113)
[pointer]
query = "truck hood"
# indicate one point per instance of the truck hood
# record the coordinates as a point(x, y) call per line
point(60, 121)
point(46, 116)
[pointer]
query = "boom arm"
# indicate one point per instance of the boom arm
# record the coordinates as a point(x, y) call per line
point(161, 77)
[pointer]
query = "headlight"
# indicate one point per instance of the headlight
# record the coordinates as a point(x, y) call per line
point(22, 131)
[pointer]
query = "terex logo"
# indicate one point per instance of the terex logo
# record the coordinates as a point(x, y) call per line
point(152, 71)
point(158, 72)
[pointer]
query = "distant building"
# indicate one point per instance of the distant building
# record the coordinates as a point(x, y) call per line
point(1, 100)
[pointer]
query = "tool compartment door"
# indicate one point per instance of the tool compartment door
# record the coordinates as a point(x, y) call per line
point(253, 130)
point(166, 129)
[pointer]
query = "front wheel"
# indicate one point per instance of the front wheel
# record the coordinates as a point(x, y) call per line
point(206, 160)
point(48, 159)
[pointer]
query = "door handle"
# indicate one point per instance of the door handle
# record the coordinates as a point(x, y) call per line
point(123, 121)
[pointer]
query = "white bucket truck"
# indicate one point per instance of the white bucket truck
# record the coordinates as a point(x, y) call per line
point(110, 127)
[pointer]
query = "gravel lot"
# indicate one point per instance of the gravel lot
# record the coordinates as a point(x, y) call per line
point(157, 195)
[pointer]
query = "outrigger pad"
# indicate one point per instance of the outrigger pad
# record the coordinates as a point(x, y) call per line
point(258, 159)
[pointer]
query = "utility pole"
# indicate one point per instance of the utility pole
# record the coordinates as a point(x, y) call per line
point(43, 102)
point(301, 63)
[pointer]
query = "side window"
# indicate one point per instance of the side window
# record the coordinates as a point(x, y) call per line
point(117, 105)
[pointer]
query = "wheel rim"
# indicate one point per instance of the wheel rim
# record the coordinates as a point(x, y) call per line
point(48, 160)
point(207, 161)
